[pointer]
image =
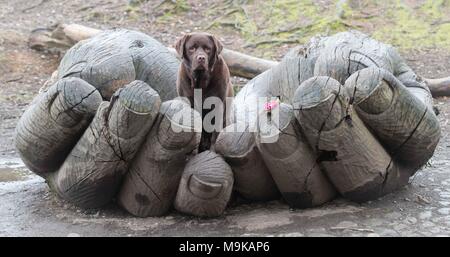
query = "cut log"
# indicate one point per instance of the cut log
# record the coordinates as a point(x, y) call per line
point(151, 184)
point(400, 120)
point(354, 161)
point(53, 123)
point(205, 186)
point(439, 87)
point(292, 162)
point(91, 174)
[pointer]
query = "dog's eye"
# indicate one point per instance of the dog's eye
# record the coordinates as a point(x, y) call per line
point(192, 48)
point(207, 50)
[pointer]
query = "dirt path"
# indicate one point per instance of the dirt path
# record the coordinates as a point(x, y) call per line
point(28, 208)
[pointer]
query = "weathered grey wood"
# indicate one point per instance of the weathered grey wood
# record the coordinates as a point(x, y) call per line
point(52, 124)
point(439, 86)
point(60, 36)
point(292, 163)
point(280, 81)
point(405, 125)
point(354, 161)
point(252, 179)
point(114, 58)
point(245, 66)
point(150, 186)
point(93, 171)
point(342, 54)
point(205, 187)
point(368, 136)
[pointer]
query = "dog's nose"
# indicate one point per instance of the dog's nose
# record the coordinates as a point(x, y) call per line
point(201, 59)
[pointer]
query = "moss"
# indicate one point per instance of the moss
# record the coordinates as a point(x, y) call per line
point(405, 24)
point(181, 6)
point(432, 8)
point(133, 11)
point(171, 9)
point(416, 28)
point(166, 17)
point(288, 20)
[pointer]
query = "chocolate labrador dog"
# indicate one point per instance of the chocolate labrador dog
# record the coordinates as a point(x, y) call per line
point(203, 68)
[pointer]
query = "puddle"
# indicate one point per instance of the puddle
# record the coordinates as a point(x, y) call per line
point(13, 169)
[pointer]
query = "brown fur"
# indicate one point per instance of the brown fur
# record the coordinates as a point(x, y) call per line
point(203, 67)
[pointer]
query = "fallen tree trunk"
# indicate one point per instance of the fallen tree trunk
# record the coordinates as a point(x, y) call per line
point(439, 87)
point(64, 36)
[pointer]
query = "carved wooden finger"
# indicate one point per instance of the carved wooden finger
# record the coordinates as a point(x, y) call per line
point(53, 123)
point(205, 186)
point(292, 162)
point(151, 184)
point(405, 125)
point(92, 172)
point(354, 161)
point(252, 179)
point(114, 58)
point(281, 81)
point(341, 55)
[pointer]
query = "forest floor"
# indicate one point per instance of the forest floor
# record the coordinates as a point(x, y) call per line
point(261, 28)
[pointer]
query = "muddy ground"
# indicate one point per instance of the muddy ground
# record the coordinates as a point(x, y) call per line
point(28, 208)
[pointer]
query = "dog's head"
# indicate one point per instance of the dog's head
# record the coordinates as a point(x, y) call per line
point(199, 51)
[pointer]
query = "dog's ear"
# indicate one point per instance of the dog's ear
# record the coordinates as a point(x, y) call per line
point(217, 50)
point(179, 46)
